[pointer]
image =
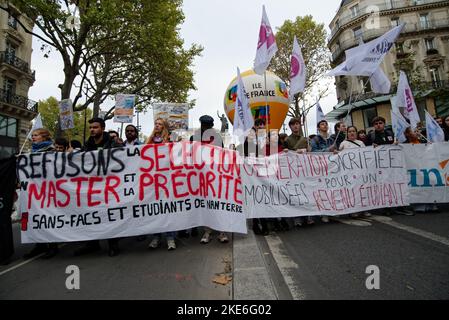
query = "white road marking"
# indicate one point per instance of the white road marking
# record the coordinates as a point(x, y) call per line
point(21, 264)
point(286, 265)
point(27, 261)
point(419, 232)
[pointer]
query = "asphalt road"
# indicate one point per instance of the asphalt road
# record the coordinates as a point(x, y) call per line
point(137, 273)
point(329, 261)
point(324, 261)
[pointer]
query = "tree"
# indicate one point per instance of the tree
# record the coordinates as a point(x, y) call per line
point(312, 40)
point(126, 45)
point(49, 110)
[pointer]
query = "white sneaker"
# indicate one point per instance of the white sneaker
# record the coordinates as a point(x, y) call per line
point(325, 219)
point(154, 243)
point(223, 238)
point(171, 245)
point(206, 238)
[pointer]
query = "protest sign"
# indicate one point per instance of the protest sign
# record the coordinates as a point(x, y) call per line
point(428, 172)
point(124, 108)
point(66, 114)
point(292, 184)
point(130, 191)
point(176, 114)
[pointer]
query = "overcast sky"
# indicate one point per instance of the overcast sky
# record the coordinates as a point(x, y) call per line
point(228, 31)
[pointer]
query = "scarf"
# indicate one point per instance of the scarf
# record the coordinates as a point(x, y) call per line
point(37, 146)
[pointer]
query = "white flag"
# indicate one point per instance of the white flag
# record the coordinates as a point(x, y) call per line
point(297, 70)
point(243, 119)
point(405, 100)
point(380, 82)
point(266, 46)
point(319, 113)
point(433, 130)
point(399, 125)
point(36, 125)
point(364, 59)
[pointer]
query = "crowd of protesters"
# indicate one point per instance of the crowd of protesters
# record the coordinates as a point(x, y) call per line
point(258, 142)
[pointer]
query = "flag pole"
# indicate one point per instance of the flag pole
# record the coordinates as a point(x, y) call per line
point(266, 100)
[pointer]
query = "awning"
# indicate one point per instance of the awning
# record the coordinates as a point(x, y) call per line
point(341, 109)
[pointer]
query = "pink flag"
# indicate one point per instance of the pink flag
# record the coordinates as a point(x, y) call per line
point(297, 70)
point(266, 46)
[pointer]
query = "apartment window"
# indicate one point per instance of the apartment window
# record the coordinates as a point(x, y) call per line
point(11, 50)
point(337, 24)
point(368, 115)
point(12, 22)
point(358, 33)
point(395, 22)
point(365, 84)
point(430, 43)
point(435, 76)
point(425, 22)
point(354, 10)
point(399, 47)
point(8, 127)
point(9, 85)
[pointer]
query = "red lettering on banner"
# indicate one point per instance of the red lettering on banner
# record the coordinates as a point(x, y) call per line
point(78, 181)
point(51, 195)
point(176, 184)
point(210, 177)
point(161, 183)
point(159, 156)
point(145, 180)
point(64, 192)
point(91, 191)
point(238, 190)
point(112, 182)
point(189, 183)
point(147, 158)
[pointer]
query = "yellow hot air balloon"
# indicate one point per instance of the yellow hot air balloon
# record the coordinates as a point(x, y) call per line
point(276, 97)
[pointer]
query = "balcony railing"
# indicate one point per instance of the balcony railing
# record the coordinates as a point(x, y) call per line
point(369, 35)
point(393, 4)
point(18, 101)
point(9, 58)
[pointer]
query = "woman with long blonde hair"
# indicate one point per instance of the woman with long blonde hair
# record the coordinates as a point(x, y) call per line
point(160, 132)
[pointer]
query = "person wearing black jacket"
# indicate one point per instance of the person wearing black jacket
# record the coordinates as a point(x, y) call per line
point(380, 135)
point(99, 139)
point(7, 190)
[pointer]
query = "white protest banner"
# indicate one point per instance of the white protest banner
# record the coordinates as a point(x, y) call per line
point(129, 191)
point(354, 180)
point(124, 108)
point(176, 114)
point(66, 114)
point(428, 172)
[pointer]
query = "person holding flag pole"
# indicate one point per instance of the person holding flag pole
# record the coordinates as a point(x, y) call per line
point(36, 125)
point(266, 49)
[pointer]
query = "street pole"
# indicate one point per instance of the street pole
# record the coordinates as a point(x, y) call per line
point(85, 118)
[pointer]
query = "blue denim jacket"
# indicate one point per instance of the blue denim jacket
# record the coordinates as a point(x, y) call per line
point(320, 144)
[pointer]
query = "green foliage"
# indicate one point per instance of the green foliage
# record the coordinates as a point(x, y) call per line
point(121, 46)
point(312, 40)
